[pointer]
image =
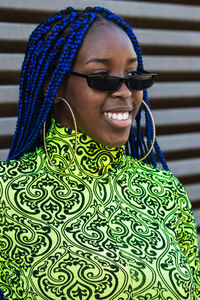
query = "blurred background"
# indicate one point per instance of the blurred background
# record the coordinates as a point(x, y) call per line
point(169, 35)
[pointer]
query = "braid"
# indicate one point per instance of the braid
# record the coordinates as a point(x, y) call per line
point(51, 50)
point(38, 76)
point(39, 62)
point(132, 143)
point(38, 34)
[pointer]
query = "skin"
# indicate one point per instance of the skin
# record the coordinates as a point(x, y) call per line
point(106, 48)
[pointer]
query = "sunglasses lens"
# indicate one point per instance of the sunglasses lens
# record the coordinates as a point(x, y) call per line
point(141, 82)
point(105, 83)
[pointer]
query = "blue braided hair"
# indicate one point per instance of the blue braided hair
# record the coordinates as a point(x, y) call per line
point(51, 50)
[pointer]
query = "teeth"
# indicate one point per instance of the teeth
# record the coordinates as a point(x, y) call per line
point(114, 116)
point(117, 116)
point(120, 116)
point(125, 116)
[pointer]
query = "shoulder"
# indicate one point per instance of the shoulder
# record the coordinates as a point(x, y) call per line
point(25, 165)
point(148, 170)
point(156, 176)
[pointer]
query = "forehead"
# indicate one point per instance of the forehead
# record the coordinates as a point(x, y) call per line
point(106, 39)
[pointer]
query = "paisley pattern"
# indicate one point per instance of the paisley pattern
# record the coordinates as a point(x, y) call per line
point(106, 228)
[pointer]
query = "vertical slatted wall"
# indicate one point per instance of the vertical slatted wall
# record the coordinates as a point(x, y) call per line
point(169, 33)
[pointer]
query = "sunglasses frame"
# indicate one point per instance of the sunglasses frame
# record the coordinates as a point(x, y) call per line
point(122, 79)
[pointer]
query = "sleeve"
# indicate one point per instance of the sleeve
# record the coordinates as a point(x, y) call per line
point(3, 225)
point(187, 236)
point(1, 236)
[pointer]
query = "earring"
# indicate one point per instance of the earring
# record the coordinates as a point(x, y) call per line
point(76, 139)
point(153, 139)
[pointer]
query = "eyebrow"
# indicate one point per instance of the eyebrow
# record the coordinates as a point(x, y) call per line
point(108, 60)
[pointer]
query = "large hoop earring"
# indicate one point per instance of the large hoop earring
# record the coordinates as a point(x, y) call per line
point(153, 139)
point(76, 139)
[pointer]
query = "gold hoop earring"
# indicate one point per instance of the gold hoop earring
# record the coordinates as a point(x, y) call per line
point(154, 135)
point(76, 139)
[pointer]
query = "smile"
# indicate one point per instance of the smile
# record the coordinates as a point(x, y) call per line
point(117, 115)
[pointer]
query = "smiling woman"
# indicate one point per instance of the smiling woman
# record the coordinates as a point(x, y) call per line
point(94, 106)
point(82, 217)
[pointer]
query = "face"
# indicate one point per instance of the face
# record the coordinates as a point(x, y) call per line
point(106, 49)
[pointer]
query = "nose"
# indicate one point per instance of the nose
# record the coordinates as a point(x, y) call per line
point(122, 92)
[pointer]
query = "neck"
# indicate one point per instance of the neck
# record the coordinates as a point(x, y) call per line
point(90, 157)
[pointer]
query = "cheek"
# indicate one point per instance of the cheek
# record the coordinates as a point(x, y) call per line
point(78, 92)
point(138, 96)
point(137, 100)
point(86, 106)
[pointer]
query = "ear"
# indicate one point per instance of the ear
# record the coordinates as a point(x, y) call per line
point(57, 100)
point(46, 86)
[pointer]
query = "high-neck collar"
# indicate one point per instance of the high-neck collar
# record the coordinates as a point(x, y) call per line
point(90, 156)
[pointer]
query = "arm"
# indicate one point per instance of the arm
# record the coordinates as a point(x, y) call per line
point(187, 236)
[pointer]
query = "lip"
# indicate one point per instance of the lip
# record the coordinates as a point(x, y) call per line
point(118, 109)
point(119, 123)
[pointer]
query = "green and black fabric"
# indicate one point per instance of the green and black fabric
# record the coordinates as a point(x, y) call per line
point(106, 228)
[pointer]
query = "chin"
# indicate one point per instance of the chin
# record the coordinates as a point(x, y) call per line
point(116, 143)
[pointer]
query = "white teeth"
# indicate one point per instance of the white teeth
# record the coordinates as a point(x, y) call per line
point(117, 116)
point(120, 116)
point(114, 116)
point(125, 116)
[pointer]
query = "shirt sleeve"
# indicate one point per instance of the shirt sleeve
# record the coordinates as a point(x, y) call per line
point(187, 236)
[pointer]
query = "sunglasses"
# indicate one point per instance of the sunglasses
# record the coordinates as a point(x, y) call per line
point(139, 81)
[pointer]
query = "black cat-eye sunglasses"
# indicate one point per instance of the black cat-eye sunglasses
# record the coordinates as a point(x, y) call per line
point(140, 80)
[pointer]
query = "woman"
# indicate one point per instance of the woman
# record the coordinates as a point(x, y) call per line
point(81, 220)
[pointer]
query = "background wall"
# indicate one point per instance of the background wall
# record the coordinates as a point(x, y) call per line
point(169, 34)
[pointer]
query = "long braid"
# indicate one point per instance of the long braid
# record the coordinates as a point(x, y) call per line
point(132, 143)
point(23, 142)
point(24, 99)
point(56, 79)
point(63, 67)
point(39, 75)
point(50, 54)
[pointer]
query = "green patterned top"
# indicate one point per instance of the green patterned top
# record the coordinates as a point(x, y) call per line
point(106, 228)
